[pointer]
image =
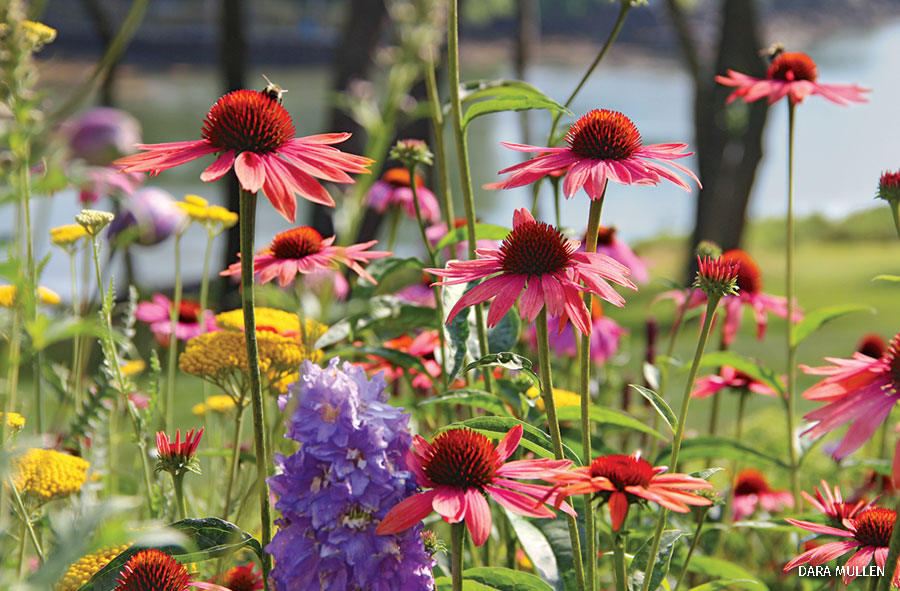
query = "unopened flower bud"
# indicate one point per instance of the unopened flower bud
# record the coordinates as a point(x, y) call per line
point(708, 248)
point(717, 277)
point(93, 221)
point(412, 152)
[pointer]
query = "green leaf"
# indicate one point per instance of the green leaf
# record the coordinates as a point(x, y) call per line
point(467, 397)
point(606, 416)
point(505, 360)
point(537, 548)
point(446, 584)
point(207, 538)
point(383, 269)
point(382, 312)
point(533, 439)
point(718, 569)
point(457, 332)
point(505, 334)
point(705, 474)
point(557, 533)
point(725, 584)
point(814, 320)
point(398, 358)
point(504, 579)
point(891, 278)
point(482, 232)
point(473, 90)
point(638, 567)
point(719, 448)
point(520, 102)
point(664, 410)
point(752, 368)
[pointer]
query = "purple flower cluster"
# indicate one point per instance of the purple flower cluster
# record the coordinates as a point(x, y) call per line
point(332, 493)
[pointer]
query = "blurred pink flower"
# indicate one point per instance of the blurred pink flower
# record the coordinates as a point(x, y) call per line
point(187, 326)
point(605, 335)
point(393, 190)
point(610, 245)
point(151, 213)
point(107, 181)
point(100, 135)
point(729, 378)
point(752, 490)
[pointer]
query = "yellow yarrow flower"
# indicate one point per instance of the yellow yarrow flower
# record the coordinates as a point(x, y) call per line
point(93, 221)
point(284, 323)
point(67, 235)
point(133, 367)
point(560, 397)
point(14, 421)
point(45, 295)
point(199, 210)
point(87, 566)
point(46, 474)
point(220, 403)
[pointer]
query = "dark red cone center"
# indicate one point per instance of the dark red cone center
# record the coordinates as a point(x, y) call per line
point(750, 482)
point(247, 121)
point(791, 67)
point(622, 470)
point(749, 279)
point(188, 312)
point(461, 458)
point(874, 527)
point(152, 570)
point(296, 243)
point(604, 135)
point(534, 248)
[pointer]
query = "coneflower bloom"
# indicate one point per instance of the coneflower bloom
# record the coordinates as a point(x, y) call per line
point(832, 504)
point(394, 190)
point(752, 490)
point(610, 245)
point(861, 391)
point(189, 322)
point(872, 345)
point(621, 480)
point(605, 336)
point(252, 132)
point(460, 467)
point(536, 261)
point(154, 569)
point(246, 577)
point(729, 377)
point(178, 456)
point(791, 75)
point(603, 146)
point(303, 251)
point(869, 532)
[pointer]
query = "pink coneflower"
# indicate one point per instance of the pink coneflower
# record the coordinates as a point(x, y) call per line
point(861, 390)
point(792, 75)
point(461, 466)
point(422, 347)
point(536, 261)
point(621, 480)
point(156, 570)
point(870, 532)
point(420, 293)
point(729, 377)
point(605, 335)
point(752, 490)
point(303, 250)
point(178, 456)
point(610, 245)
point(393, 190)
point(190, 322)
point(603, 146)
point(252, 132)
point(246, 577)
point(832, 504)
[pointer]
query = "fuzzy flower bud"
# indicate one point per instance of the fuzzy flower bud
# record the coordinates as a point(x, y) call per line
point(717, 277)
point(412, 152)
point(708, 248)
point(93, 221)
point(889, 187)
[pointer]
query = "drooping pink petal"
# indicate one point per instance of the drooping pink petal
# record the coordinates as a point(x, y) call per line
point(478, 516)
point(406, 513)
point(217, 169)
point(509, 443)
point(250, 170)
point(450, 503)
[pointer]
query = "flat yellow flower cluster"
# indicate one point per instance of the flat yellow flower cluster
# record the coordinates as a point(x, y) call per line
point(284, 323)
point(14, 420)
point(220, 403)
point(560, 397)
point(8, 296)
point(47, 474)
point(86, 567)
point(133, 367)
point(214, 355)
point(67, 235)
point(199, 210)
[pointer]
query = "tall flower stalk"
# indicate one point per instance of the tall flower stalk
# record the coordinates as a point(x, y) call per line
point(173, 338)
point(789, 322)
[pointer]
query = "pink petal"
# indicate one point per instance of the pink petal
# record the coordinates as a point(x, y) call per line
point(509, 443)
point(518, 503)
point(217, 169)
point(250, 170)
point(450, 503)
point(406, 513)
point(478, 516)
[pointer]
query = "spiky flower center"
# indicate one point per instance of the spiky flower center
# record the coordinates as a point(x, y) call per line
point(893, 358)
point(461, 458)
point(604, 135)
point(749, 279)
point(534, 248)
point(247, 121)
point(750, 482)
point(399, 177)
point(296, 243)
point(791, 67)
point(605, 236)
point(874, 527)
point(872, 345)
point(718, 276)
point(188, 312)
point(243, 578)
point(622, 470)
point(152, 570)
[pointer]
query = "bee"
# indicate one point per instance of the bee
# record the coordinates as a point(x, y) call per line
point(273, 91)
point(772, 51)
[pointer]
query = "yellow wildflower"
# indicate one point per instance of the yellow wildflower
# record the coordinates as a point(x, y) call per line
point(217, 403)
point(68, 235)
point(560, 397)
point(284, 323)
point(45, 295)
point(14, 421)
point(47, 474)
point(87, 566)
point(93, 220)
point(199, 210)
point(133, 367)
point(281, 386)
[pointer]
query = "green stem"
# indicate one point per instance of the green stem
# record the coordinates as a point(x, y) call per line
point(890, 564)
point(789, 324)
point(465, 175)
point(457, 539)
point(173, 339)
point(674, 331)
point(27, 525)
point(619, 561)
point(235, 456)
point(178, 481)
point(714, 415)
point(742, 402)
point(204, 297)
point(694, 540)
point(543, 345)
point(392, 228)
point(440, 157)
point(248, 226)
point(895, 214)
point(590, 245)
point(711, 302)
point(76, 312)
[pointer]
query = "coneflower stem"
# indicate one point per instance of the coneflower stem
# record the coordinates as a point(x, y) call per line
point(235, 456)
point(204, 295)
point(543, 346)
point(457, 539)
point(712, 301)
point(437, 128)
point(590, 245)
point(394, 224)
point(789, 323)
point(619, 560)
point(674, 331)
point(704, 511)
point(248, 226)
point(890, 564)
point(178, 482)
point(174, 317)
point(76, 342)
point(895, 214)
point(463, 156)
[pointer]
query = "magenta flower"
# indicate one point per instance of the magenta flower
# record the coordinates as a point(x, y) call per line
point(603, 146)
point(151, 214)
point(752, 490)
point(250, 131)
point(832, 504)
point(729, 377)
point(869, 533)
point(605, 336)
point(393, 190)
point(861, 391)
point(303, 251)
point(100, 135)
point(792, 75)
point(611, 246)
point(188, 323)
point(106, 181)
point(461, 466)
point(536, 261)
